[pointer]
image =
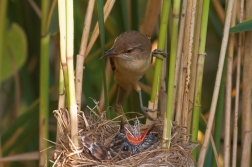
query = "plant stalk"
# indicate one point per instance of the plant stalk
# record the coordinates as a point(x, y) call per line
point(183, 67)
point(194, 62)
point(188, 68)
point(179, 59)
point(3, 8)
point(228, 96)
point(246, 93)
point(170, 96)
point(153, 103)
point(44, 84)
point(107, 9)
point(217, 84)
point(237, 88)
point(219, 116)
point(102, 41)
point(81, 56)
point(199, 73)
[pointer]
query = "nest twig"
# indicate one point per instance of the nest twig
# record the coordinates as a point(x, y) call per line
point(103, 131)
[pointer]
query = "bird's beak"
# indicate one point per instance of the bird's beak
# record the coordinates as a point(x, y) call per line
point(139, 139)
point(122, 127)
point(109, 53)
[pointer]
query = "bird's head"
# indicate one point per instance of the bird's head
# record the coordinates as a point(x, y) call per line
point(129, 44)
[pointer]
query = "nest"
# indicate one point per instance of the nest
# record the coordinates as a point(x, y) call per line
point(103, 131)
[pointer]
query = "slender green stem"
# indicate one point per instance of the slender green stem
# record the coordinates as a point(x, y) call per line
point(44, 83)
point(3, 8)
point(194, 60)
point(125, 14)
point(61, 103)
point(197, 99)
point(134, 15)
point(217, 83)
point(107, 9)
point(199, 72)
point(161, 45)
point(174, 43)
point(153, 103)
point(102, 40)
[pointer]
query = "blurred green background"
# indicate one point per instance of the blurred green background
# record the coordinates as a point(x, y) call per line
point(19, 93)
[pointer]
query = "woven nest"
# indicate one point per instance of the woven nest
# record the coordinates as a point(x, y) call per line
point(103, 131)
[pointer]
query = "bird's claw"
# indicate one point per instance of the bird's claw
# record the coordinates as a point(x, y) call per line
point(145, 113)
point(119, 109)
point(158, 52)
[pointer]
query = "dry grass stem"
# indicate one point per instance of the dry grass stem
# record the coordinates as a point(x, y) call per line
point(246, 93)
point(21, 157)
point(151, 17)
point(227, 138)
point(245, 159)
point(213, 144)
point(86, 29)
point(178, 70)
point(219, 9)
point(194, 63)
point(180, 93)
point(237, 88)
point(107, 9)
point(188, 68)
point(183, 68)
point(217, 84)
point(81, 55)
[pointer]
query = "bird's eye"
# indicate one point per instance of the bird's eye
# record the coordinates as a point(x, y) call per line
point(129, 51)
point(125, 148)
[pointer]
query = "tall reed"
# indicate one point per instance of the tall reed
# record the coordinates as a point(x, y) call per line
point(217, 84)
point(153, 103)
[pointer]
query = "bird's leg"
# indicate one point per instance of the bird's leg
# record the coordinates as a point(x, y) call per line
point(143, 108)
point(158, 52)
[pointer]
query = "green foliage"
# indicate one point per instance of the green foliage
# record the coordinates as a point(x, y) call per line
point(25, 127)
point(15, 51)
point(241, 27)
point(102, 41)
point(53, 26)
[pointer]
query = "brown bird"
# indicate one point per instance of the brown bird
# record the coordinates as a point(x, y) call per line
point(130, 57)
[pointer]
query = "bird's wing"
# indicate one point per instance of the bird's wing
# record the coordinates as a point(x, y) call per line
point(112, 64)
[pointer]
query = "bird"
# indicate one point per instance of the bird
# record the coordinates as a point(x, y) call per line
point(130, 144)
point(130, 57)
point(124, 144)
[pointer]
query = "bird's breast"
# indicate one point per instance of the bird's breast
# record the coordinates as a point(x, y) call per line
point(129, 70)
